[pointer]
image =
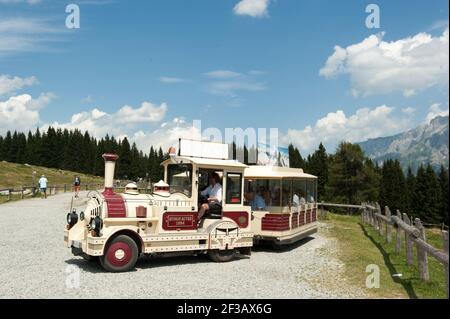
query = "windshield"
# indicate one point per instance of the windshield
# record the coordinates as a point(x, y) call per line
point(179, 177)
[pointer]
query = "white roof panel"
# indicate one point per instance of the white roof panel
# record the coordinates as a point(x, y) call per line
point(207, 162)
point(275, 172)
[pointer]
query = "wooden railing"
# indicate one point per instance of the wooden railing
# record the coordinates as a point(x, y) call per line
point(7, 194)
point(414, 233)
point(30, 191)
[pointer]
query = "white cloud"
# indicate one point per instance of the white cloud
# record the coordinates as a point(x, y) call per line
point(148, 112)
point(9, 84)
point(253, 8)
point(27, 34)
point(166, 135)
point(439, 25)
point(120, 123)
point(20, 1)
point(21, 112)
point(337, 126)
point(87, 100)
point(408, 110)
point(171, 80)
point(228, 83)
point(256, 72)
point(222, 74)
point(436, 110)
point(230, 88)
point(407, 65)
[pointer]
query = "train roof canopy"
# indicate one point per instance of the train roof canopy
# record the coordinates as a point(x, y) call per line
point(207, 162)
point(276, 172)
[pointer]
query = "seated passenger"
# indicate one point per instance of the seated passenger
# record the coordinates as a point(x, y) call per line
point(248, 198)
point(295, 200)
point(259, 203)
point(214, 194)
point(302, 201)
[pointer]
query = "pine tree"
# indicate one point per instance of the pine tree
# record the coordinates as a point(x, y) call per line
point(426, 203)
point(433, 211)
point(443, 180)
point(7, 146)
point(13, 148)
point(318, 166)
point(21, 148)
point(2, 149)
point(371, 181)
point(124, 162)
point(295, 158)
point(410, 191)
point(393, 186)
point(134, 163)
point(345, 174)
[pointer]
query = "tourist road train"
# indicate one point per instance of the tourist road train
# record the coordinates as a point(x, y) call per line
point(259, 203)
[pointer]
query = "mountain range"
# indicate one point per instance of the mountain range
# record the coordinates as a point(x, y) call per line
point(427, 143)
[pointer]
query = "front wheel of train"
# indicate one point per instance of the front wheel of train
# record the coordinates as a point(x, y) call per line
point(120, 255)
point(222, 256)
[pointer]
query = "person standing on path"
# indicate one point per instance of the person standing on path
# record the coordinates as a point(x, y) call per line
point(76, 185)
point(43, 186)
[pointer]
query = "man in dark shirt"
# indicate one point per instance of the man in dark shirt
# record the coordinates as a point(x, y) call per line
point(76, 185)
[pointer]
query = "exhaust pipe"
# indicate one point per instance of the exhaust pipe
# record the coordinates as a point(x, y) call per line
point(110, 164)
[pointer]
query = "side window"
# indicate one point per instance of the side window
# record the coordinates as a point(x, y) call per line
point(234, 187)
point(299, 192)
point(311, 191)
point(180, 179)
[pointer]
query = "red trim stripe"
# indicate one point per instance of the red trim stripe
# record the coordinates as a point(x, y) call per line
point(276, 222)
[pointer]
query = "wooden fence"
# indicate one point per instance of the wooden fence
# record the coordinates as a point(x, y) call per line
point(414, 233)
point(30, 191)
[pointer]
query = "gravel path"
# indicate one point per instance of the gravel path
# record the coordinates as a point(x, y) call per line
point(35, 264)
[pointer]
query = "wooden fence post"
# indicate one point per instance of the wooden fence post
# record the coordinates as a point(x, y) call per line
point(388, 225)
point(422, 258)
point(372, 219)
point(21, 193)
point(408, 241)
point(9, 194)
point(398, 244)
point(380, 221)
point(445, 238)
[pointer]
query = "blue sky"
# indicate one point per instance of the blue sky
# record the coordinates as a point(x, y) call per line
point(258, 65)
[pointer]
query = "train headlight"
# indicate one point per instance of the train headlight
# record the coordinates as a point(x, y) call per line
point(72, 218)
point(96, 224)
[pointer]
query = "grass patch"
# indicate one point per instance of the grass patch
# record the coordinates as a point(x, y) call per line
point(14, 175)
point(17, 176)
point(361, 245)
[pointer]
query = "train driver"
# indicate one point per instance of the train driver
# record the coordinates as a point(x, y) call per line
point(214, 194)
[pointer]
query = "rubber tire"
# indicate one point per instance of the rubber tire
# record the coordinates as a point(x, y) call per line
point(132, 256)
point(222, 256)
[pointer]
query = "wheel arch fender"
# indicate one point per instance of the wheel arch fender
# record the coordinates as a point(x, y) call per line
point(127, 232)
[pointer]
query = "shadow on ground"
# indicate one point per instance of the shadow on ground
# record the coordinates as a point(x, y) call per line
point(146, 262)
point(387, 261)
point(269, 247)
